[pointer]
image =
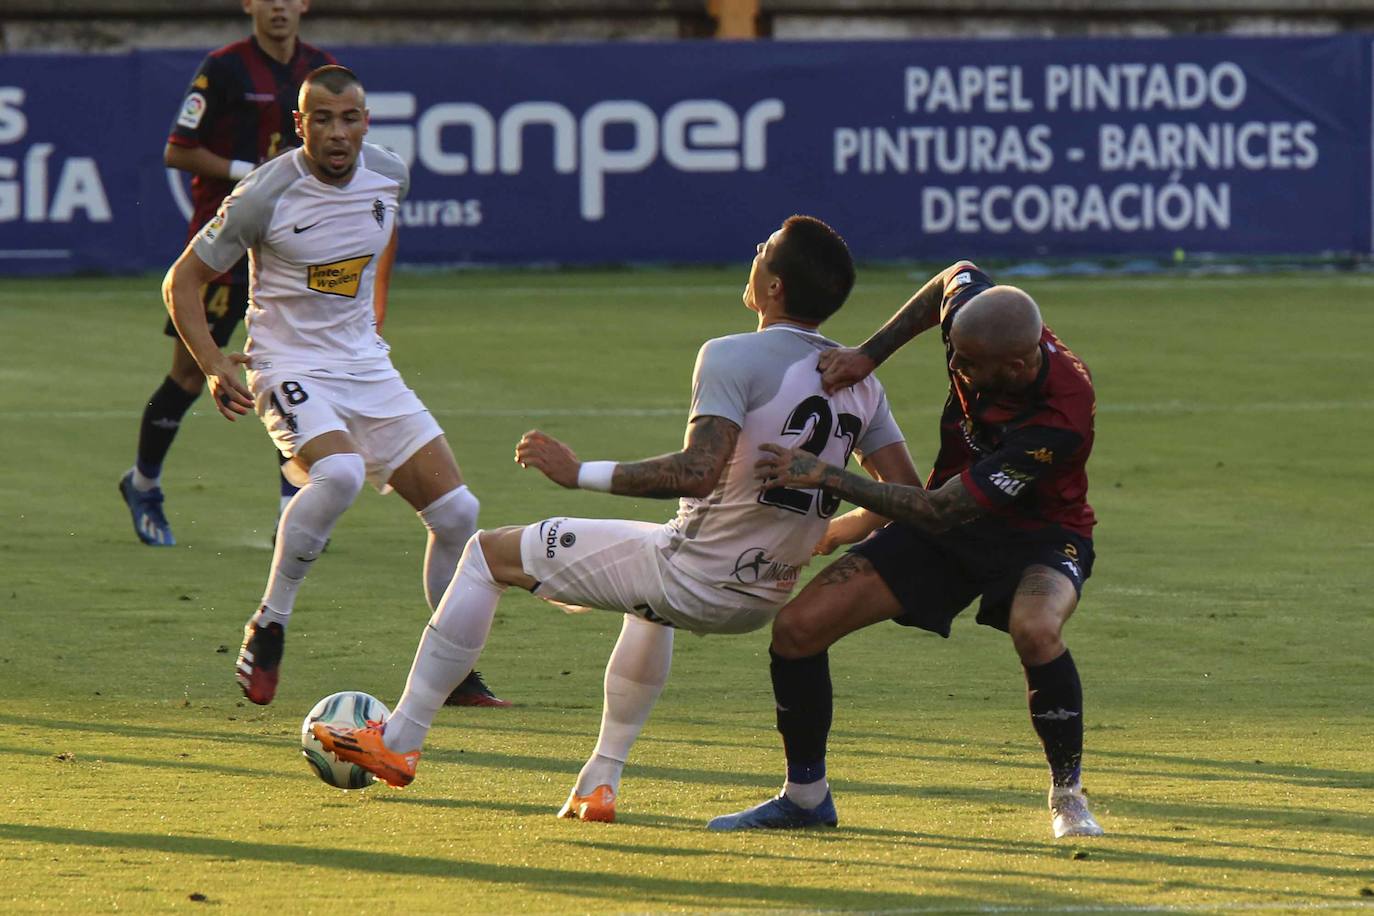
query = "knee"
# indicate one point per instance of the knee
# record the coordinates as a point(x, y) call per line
point(795, 637)
point(342, 474)
point(453, 516)
point(1037, 642)
point(191, 380)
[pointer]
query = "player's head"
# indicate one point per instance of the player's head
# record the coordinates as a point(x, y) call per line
point(278, 20)
point(331, 120)
point(804, 268)
point(995, 337)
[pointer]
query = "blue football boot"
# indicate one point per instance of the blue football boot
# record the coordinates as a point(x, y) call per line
point(779, 813)
point(146, 509)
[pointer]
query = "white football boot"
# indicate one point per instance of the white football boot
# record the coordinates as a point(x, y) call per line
point(1069, 813)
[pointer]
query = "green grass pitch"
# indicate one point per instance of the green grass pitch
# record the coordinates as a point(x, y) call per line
point(1225, 639)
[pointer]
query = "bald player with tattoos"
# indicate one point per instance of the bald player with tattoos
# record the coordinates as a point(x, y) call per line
point(1003, 518)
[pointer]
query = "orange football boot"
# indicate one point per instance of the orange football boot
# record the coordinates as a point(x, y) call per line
point(597, 805)
point(364, 747)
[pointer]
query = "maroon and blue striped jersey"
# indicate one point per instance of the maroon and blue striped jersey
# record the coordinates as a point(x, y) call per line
point(1022, 456)
point(239, 106)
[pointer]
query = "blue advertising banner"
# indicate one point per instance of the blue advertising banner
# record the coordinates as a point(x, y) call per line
point(693, 151)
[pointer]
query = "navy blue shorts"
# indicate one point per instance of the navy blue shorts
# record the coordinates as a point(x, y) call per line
point(936, 576)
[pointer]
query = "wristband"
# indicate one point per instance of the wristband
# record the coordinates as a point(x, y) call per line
point(596, 475)
point(238, 169)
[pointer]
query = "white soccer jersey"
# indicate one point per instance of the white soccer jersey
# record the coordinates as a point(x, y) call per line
point(767, 383)
point(313, 250)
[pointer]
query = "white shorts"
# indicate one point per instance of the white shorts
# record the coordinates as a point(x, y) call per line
point(616, 565)
point(378, 410)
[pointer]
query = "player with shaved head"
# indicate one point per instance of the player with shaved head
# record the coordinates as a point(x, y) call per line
point(1003, 517)
point(236, 113)
point(319, 225)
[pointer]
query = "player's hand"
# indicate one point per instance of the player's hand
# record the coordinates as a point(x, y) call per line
point(232, 397)
point(826, 545)
point(849, 528)
point(843, 367)
point(545, 453)
point(788, 467)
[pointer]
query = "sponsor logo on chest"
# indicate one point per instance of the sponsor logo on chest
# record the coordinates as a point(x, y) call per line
point(338, 278)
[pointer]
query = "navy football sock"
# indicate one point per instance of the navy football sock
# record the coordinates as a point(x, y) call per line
point(1055, 696)
point(805, 705)
point(161, 420)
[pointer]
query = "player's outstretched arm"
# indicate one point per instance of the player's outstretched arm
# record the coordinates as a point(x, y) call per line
point(936, 510)
point(846, 366)
point(181, 293)
point(691, 472)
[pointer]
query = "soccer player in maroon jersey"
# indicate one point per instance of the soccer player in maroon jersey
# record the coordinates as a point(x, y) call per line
point(1003, 516)
point(236, 114)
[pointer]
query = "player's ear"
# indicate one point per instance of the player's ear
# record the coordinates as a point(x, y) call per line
point(367, 119)
point(248, 7)
point(299, 121)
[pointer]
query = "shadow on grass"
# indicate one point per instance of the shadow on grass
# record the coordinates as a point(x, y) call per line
point(154, 762)
point(586, 882)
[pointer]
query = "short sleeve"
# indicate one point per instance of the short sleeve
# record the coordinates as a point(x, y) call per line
point(881, 431)
point(385, 162)
point(962, 286)
point(1026, 456)
point(238, 224)
point(720, 385)
point(201, 106)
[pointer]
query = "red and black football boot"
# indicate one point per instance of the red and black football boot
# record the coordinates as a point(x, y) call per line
point(474, 692)
point(259, 662)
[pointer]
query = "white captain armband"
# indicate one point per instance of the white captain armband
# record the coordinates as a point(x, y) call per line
point(238, 169)
point(596, 475)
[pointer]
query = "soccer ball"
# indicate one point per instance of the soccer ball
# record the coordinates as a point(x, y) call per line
point(352, 709)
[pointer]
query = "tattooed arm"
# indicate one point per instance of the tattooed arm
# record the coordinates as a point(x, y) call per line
point(890, 464)
point(691, 472)
point(845, 366)
point(936, 510)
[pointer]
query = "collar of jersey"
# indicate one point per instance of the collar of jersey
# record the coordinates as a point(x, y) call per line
point(794, 328)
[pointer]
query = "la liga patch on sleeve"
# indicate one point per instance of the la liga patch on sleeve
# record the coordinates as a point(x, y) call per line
point(192, 110)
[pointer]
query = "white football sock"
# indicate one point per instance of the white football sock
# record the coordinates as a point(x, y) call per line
point(635, 675)
point(335, 481)
point(451, 520)
point(449, 648)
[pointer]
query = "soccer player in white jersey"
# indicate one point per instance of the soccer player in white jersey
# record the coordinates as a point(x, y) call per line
point(319, 227)
point(725, 564)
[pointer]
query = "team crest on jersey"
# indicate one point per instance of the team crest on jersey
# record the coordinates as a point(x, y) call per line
point(202, 82)
point(1042, 455)
point(340, 278)
point(192, 110)
point(379, 212)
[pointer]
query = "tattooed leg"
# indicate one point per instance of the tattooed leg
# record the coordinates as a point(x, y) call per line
point(847, 595)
